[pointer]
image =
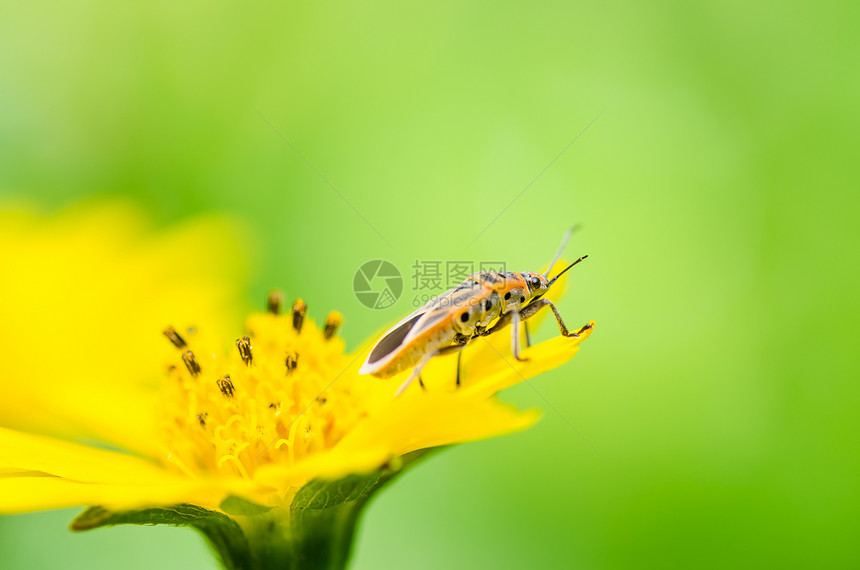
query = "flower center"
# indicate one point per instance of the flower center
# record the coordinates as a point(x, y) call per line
point(270, 398)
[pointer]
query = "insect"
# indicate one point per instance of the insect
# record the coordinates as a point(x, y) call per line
point(484, 303)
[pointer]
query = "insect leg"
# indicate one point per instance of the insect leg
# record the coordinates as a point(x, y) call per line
point(415, 372)
point(515, 335)
point(537, 305)
point(458, 348)
point(528, 336)
point(504, 321)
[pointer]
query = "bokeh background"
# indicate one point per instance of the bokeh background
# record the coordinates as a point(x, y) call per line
point(714, 175)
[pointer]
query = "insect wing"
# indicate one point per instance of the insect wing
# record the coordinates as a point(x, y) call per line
point(410, 327)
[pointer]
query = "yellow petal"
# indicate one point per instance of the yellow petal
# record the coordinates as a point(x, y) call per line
point(410, 422)
point(434, 420)
point(24, 494)
point(26, 452)
point(84, 298)
point(504, 370)
point(329, 465)
point(37, 472)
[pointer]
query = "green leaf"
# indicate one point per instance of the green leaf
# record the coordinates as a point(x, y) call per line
point(325, 493)
point(222, 531)
point(322, 494)
point(178, 515)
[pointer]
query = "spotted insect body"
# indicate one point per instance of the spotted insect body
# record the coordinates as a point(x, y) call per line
point(482, 304)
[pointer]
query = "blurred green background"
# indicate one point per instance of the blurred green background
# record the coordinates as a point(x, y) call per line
point(718, 193)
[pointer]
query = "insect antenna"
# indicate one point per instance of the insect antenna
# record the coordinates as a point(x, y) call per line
point(563, 271)
point(564, 241)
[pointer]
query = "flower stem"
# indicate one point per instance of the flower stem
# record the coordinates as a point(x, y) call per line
point(309, 539)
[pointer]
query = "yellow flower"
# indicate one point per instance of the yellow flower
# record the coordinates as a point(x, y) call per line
point(270, 422)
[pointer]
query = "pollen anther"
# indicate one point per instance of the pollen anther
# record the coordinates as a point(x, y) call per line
point(244, 346)
point(191, 363)
point(226, 386)
point(274, 302)
point(291, 361)
point(174, 337)
point(300, 309)
point(332, 323)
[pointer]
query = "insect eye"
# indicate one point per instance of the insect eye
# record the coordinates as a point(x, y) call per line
point(535, 282)
point(465, 316)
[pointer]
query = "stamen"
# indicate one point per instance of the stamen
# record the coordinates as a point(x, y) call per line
point(300, 309)
point(292, 362)
point(226, 386)
point(332, 322)
point(244, 346)
point(174, 337)
point(191, 363)
point(252, 418)
point(274, 302)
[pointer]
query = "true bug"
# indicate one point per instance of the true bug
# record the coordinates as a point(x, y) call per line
point(484, 303)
